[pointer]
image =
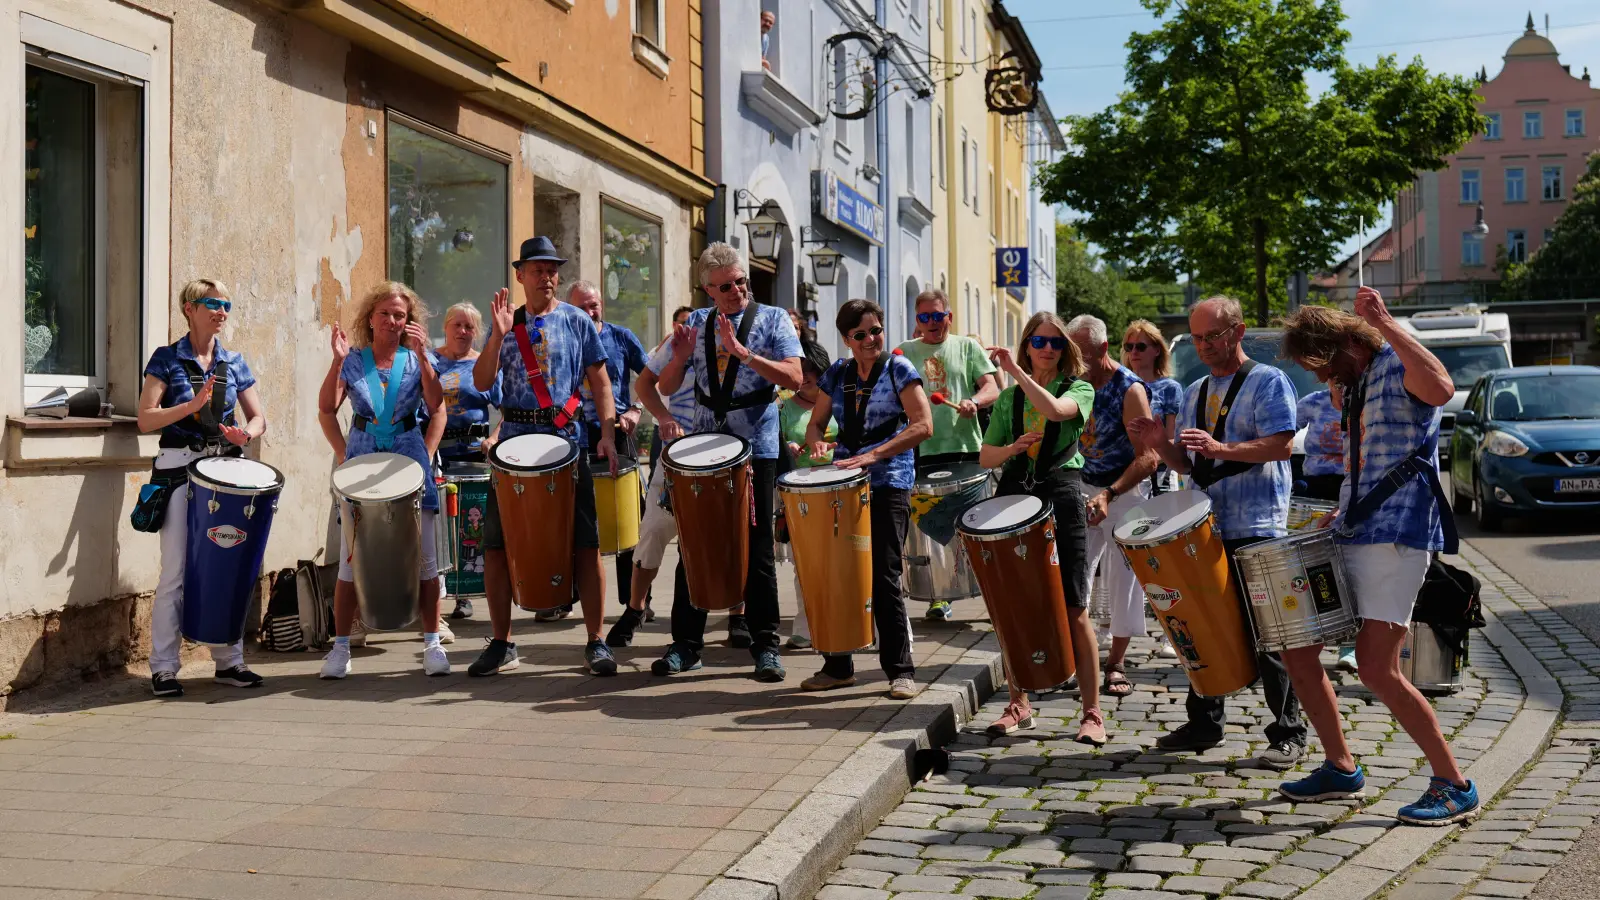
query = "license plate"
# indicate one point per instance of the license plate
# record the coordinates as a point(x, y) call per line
point(1577, 485)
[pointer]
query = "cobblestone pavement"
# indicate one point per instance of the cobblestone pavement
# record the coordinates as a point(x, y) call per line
point(1035, 815)
point(542, 781)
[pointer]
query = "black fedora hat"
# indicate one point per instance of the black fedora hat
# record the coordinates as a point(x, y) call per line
point(538, 249)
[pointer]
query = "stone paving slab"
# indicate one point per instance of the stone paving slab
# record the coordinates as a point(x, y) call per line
point(542, 781)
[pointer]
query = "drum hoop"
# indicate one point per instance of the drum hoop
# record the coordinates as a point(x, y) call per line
point(738, 460)
point(1148, 545)
point(848, 484)
point(1290, 541)
point(220, 487)
point(622, 469)
point(946, 488)
point(1047, 513)
point(465, 479)
point(414, 497)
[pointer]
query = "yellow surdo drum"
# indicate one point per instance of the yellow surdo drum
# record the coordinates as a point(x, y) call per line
point(830, 526)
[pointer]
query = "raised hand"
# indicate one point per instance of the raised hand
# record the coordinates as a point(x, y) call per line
point(1146, 432)
point(1197, 440)
point(1370, 307)
point(416, 337)
point(682, 341)
point(730, 340)
point(340, 343)
point(202, 397)
point(1002, 358)
point(500, 310)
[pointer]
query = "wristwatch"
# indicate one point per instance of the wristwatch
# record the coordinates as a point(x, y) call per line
point(1111, 491)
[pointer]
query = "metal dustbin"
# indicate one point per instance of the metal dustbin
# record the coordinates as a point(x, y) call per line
point(1429, 662)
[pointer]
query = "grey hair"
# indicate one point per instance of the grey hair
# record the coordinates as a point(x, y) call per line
point(1087, 323)
point(716, 256)
point(1230, 308)
point(577, 286)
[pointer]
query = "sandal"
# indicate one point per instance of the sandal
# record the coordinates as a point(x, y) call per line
point(1093, 729)
point(1117, 683)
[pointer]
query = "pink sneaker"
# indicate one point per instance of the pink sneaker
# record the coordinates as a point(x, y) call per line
point(1018, 715)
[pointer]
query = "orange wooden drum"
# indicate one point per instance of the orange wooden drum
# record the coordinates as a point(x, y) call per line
point(535, 477)
point(1011, 543)
point(1177, 555)
point(830, 527)
point(708, 478)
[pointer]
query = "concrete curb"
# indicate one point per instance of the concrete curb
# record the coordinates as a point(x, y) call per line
point(1369, 872)
point(791, 862)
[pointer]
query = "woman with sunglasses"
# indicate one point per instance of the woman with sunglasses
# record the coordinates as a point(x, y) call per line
point(1034, 436)
point(1145, 352)
point(180, 399)
point(883, 414)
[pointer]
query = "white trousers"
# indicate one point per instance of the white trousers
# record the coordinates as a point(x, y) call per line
point(166, 613)
point(657, 528)
point(1122, 589)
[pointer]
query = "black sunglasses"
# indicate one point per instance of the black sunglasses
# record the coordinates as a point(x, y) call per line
point(1136, 347)
point(1039, 342)
point(862, 335)
point(929, 318)
point(724, 288)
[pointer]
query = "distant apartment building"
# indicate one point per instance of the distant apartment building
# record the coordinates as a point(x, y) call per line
point(1543, 124)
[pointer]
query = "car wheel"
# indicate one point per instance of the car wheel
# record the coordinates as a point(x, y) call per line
point(1488, 518)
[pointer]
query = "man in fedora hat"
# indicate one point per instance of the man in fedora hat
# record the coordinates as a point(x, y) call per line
point(554, 349)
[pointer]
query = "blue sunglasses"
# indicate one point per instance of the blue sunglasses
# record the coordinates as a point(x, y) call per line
point(216, 303)
point(929, 318)
point(1039, 342)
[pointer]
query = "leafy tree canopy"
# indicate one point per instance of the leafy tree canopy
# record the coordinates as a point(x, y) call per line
point(1086, 284)
point(1217, 161)
point(1568, 265)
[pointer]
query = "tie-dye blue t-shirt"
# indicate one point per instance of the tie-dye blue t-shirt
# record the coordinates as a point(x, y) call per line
point(772, 337)
point(1324, 434)
point(625, 358)
point(1394, 425)
point(1107, 450)
point(1254, 503)
point(900, 470)
point(565, 343)
point(407, 401)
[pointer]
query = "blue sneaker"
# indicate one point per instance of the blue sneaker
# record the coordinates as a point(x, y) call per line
point(1443, 804)
point(677, 659)
point(599, 658)
point(939, 611)
point(769, 666)
point(1326, 783)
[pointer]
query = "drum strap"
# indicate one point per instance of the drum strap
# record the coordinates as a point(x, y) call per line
point(1418, 464)
point(854, 435)
point(210, 419)
point(1207, 471)
point(536, 380)
point(384, 396)
point(1049, 453)
point(720, 399)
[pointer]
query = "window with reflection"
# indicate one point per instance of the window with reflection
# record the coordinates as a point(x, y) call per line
point(631, 270)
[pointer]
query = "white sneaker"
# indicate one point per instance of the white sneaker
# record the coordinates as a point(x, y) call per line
point(337, 663)
point(902, 689)
point(434, 662)
point(1165, 651)
point(446, 636)
point(358, 634)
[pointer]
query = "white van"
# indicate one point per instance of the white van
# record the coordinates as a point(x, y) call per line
point(1470, 342)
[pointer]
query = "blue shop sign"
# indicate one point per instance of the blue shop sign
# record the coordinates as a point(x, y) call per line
point(848, 208)
point(1011, 267)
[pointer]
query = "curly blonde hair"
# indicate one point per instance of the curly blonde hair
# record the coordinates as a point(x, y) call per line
point(1072, 360)
point(1314, 336)
point(361, 328)
point(1147, 329)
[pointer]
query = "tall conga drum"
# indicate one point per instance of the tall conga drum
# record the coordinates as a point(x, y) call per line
point(380, 511)
point(616, 503)
point(1011, 543)
point(936, 566)
point(1171, 542)
point(231, 504)
point(830, 527)
point(708, 478)
point(535, 483)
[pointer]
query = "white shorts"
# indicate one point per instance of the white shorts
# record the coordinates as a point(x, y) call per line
point(1385, 579)
point(430, 556)
point(657, 528)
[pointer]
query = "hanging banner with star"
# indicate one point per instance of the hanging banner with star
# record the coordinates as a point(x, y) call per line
point(1011, 267)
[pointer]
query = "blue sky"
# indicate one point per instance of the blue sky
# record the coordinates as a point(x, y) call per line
point(1082, 44)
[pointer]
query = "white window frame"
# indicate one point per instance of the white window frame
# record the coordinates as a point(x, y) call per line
point(1473, 177)
point(977, 210)
point(1521, 181)
point(88, 56)
point(1475, 241)
point(1573, 115)
point(939, 142)
point(1491, 131)
point(1532, 125)
point(966, 170)
point(660, 40)
point(1545, 183)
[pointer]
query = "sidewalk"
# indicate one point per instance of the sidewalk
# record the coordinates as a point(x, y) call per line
point(540, 782)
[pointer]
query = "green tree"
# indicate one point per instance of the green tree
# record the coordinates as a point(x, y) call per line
point(1568, 265)
point(1217, 160)
point(1086, 284)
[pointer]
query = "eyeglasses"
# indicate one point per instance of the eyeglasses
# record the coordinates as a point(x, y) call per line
point(1039, 342)
point(724, 288)
point(865, 333)
point(932, 318)
point(1136, 347)
point(216, 303)
point(1212, 337)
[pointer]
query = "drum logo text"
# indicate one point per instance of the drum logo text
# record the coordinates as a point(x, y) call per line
point(225, 536)
point(1162, 598)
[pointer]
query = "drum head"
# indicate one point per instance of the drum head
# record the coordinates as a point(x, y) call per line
point(1004, 515)
point(706, 451)
point(1162, 518)
point(948, 478)
point(237, 472)
point(533, 453)
point(822, 478)
point(375, 477)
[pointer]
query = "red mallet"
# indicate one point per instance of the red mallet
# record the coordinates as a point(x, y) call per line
point(899, 352)
point(938, 399)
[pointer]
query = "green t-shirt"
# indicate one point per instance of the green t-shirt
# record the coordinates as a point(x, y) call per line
point(793, 420)
point(951, 368)
point(999, 433)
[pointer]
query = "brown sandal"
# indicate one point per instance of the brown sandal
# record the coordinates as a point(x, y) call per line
point(1117, 683)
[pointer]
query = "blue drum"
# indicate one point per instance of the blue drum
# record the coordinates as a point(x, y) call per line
point(231, 504)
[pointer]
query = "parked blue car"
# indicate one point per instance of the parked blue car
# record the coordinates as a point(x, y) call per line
point(1526, 442)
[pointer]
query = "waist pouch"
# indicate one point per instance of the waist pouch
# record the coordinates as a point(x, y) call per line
point(151, 509)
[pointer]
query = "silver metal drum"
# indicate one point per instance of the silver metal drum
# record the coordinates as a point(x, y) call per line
point(1429, 662)
point(1304, 512)
point(1299, 593)
point(1099, 597)
point(942, 493)
point(380, 511)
